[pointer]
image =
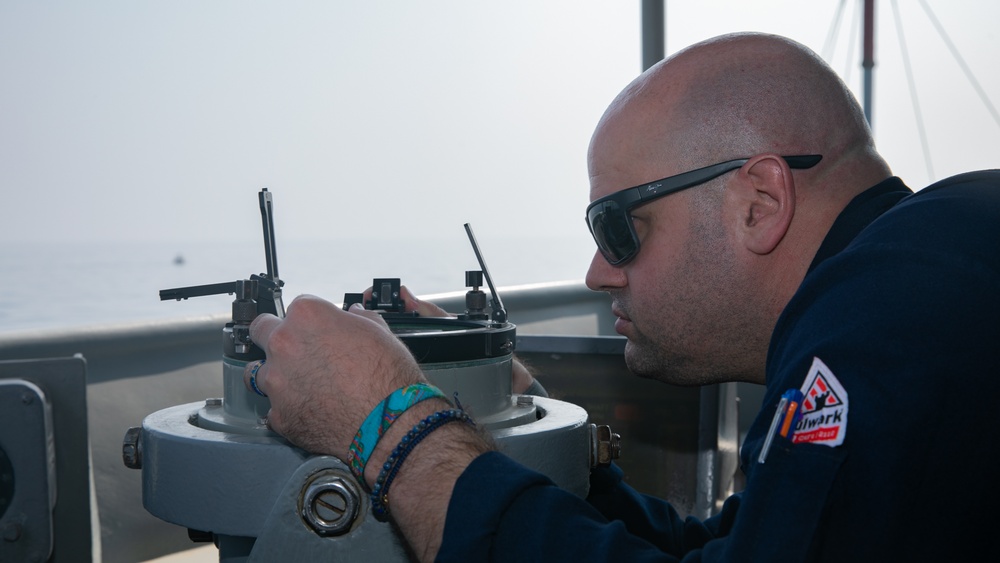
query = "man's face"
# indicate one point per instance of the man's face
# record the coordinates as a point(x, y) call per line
point(673, 300)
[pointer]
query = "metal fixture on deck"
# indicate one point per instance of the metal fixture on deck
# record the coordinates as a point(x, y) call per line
point(214, 466)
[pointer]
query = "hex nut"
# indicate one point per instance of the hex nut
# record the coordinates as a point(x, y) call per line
point(606, 446)
point(132, 448)
point(330, 504)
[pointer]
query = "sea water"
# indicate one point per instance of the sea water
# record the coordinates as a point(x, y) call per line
point(69, 285)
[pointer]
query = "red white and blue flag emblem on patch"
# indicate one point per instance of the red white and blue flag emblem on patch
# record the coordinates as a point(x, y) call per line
point(824, 408)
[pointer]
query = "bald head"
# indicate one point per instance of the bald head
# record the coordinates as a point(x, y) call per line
point(736, 96)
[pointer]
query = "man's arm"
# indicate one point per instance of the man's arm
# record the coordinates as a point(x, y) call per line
point(325, 370)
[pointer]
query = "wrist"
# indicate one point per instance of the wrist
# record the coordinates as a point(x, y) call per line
point(409, 442)
point(381, 419)
point(406, 421)
point(420, 492)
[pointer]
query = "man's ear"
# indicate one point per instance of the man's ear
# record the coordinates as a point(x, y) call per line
point(766, 202)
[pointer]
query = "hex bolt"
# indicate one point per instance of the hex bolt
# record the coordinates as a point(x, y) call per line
point(525, 400)
point(330, 505)
point(605, 445)
point(213, 402)
point(132, 448)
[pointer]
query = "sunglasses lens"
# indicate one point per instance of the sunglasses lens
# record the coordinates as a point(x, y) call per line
point(609, 225)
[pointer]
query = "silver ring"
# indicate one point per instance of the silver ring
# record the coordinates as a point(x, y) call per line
point(253, 379)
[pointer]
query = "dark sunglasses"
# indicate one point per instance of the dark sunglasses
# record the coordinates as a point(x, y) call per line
point(610, 220)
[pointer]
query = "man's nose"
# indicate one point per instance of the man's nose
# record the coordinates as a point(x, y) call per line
point(603, 276)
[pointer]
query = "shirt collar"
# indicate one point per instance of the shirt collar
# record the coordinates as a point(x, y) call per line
point(859, 213)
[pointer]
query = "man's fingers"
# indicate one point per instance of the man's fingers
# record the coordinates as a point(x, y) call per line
point(357, 309)
point(424, 308)
point(261, 329)
point(274, 421)
point(253, 375)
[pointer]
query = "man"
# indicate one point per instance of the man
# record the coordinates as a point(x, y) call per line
point(869, 313)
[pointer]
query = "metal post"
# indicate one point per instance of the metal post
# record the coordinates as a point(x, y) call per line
point(653, 34)
point(868, 63)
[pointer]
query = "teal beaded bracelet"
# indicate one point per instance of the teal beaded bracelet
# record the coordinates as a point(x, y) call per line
point(380, 419)
point(380, 490)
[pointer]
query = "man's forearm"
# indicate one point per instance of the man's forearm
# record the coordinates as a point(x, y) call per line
point(420, 493)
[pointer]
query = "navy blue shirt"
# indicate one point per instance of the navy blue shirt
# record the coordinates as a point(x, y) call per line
point(892, 341)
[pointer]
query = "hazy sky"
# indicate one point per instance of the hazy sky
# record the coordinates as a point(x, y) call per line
point(161, 120)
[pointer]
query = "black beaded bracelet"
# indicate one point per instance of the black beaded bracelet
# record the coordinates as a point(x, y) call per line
point(380, 490)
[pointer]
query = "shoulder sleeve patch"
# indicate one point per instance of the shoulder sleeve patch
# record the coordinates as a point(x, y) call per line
point(824, 408)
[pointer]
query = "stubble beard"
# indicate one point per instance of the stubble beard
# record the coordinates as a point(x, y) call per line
point(656, 359)
point(651, 361)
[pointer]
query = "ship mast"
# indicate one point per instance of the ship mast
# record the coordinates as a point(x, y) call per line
point(653, 35)
point(868, 60)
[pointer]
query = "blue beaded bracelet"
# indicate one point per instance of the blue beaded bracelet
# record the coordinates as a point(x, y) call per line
point(381, 418)
point(380, 491)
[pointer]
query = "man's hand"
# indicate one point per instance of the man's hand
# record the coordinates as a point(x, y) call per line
point(412, 304)
point(326, 369)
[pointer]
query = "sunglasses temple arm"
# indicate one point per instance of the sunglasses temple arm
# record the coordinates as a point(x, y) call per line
point(803, 161)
